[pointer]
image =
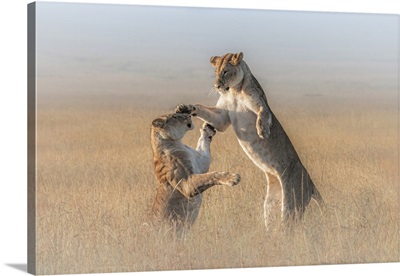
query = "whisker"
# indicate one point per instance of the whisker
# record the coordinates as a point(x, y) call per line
point(211, 91)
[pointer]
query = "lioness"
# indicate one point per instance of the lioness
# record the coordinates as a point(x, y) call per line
point(182, 171)
point(243, 104)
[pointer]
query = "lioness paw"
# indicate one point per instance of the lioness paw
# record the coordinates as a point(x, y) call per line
point(264, 127)
point(185, 108)
point(209, 130)
point(229, 179)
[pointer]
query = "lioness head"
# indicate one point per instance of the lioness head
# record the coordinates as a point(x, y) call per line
point(173, 126)
point(228, 72)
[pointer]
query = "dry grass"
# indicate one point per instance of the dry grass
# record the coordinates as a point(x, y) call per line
point(96, 186)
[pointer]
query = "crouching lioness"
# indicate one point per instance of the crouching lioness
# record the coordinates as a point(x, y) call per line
point(182, 171)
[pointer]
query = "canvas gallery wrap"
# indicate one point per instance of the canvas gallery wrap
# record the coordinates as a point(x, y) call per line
point(173, 138)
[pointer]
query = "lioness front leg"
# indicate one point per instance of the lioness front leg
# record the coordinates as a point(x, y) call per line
point(228, 179)
point(207, 132)
point(263, 112)
point(217, 117)
point(264, 123)
point(198, 183)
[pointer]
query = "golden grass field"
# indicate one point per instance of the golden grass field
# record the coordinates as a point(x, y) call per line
point(95, 187)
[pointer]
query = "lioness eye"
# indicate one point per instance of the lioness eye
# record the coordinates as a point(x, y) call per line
point(225, 73)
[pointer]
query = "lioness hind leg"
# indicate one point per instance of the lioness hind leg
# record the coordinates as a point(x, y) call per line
point(318, 199)
point(273, 200)
point(289, 202)
point(298, 189)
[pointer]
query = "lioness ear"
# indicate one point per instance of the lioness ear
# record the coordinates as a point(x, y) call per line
point(159, 122)
point(214, 60)
point(236, 59)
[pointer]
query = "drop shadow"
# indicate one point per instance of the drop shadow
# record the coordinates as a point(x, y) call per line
point(20, 267)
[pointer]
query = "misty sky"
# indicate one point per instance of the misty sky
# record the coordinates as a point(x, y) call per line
point(126, 48)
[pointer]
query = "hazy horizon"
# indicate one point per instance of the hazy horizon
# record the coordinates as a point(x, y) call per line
point(140, 50)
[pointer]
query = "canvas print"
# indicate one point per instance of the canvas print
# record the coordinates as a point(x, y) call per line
point(173, 138)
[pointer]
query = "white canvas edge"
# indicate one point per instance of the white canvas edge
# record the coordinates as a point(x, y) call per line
point(13, 124)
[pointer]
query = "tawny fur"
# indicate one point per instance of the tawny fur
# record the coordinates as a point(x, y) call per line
point(243, 104)
point(182, 171)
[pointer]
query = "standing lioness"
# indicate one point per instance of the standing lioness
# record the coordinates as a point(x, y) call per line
point(182, 171)
point(243, 105)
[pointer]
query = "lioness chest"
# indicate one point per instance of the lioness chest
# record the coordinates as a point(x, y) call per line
point(178, 205)
point(243, 121)
point(200, 162)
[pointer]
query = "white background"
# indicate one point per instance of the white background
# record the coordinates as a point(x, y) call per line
point(13, 145)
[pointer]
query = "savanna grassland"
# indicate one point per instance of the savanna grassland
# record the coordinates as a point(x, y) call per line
point(95, 188)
